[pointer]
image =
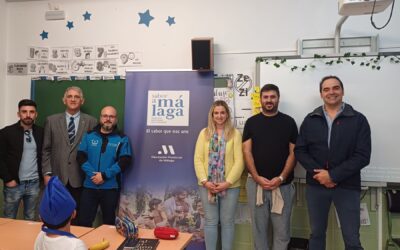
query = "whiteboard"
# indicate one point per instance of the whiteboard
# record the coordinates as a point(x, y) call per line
point(375, 93)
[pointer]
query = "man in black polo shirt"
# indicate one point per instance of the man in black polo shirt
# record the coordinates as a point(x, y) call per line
point(268, 143)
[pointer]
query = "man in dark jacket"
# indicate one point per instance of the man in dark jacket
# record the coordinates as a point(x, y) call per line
point(20, 161)
point(333, 146)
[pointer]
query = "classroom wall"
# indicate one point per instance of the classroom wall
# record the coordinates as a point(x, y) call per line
point(3, 29)
point(242, 30)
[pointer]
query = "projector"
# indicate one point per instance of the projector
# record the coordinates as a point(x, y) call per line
point(362, 7)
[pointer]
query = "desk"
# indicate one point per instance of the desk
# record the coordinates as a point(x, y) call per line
point(21, 234)
point(109, 233)
point(5, 220)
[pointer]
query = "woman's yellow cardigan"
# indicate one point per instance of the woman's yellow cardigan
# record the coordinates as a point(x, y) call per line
point(234, 163)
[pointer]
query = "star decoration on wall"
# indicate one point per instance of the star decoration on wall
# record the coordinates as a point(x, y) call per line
point(70, 25)
point(86, 16)
point(44, 35)
point(170, 20)
point(145, 18)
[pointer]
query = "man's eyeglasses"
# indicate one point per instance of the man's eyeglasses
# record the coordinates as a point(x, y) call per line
point(108, 117)
point(28, 136)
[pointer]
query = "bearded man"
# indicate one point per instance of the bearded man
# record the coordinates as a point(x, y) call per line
point(103, 154)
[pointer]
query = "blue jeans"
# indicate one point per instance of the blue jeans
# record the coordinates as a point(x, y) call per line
point(224, 212)
point(261, 216)
point(91, 199)
point(28, 192)
point(347, 204)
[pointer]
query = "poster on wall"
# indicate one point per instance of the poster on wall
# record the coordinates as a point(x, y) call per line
point(59, 67)
point(82, 66)
point(107, 52)
point(38, 53)
point(61, 53)
point(38, 67)
point(130, 59)
point(17, 68)
point(164, 113)
point(107, 66)
point(243, 86)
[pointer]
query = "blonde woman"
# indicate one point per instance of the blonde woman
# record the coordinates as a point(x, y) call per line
point(218, 161)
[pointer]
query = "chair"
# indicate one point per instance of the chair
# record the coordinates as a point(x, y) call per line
point(393, 207)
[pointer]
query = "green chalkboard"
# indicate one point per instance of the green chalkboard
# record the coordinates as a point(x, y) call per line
point(98, 93)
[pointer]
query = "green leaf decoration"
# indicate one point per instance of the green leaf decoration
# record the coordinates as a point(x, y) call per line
point(369, 61)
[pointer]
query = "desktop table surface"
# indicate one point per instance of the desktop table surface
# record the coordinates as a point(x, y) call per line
point(21, 234)
point(5, 220)
point(110, 233)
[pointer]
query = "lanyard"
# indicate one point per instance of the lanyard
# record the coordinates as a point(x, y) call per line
point(58, 232)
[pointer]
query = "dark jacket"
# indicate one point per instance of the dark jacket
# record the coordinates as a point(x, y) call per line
point(349, 151)
point(11, 148)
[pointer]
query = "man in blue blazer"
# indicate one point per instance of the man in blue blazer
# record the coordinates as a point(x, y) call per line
point(333, 146)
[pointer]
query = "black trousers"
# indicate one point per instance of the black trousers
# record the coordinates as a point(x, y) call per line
point(91, 199)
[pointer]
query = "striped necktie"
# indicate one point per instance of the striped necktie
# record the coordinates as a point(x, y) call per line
point(71, 130)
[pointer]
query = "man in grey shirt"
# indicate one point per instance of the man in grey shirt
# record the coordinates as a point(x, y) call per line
point(20, 161)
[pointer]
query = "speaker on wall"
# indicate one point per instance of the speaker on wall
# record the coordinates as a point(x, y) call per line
point(202, 54)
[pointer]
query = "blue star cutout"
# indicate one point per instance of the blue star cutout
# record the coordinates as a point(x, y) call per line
point(44, 35)
point(86, 16)
point(170, 20)
point(70, 25)
point(145, 18)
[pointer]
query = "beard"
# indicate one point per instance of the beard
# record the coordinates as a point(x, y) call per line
point(27, 121)
point(108, 127)
point(273, 109)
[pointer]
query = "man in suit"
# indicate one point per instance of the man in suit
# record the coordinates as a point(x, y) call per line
point(20, 154)
point(62, 135)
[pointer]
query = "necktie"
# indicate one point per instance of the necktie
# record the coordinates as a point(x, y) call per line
point(71, 130)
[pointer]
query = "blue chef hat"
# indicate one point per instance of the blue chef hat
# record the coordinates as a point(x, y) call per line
point(57, 204)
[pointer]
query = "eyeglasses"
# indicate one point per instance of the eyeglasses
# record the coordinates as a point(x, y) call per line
point(73, 97)
point(108, 117)
point(28, 134)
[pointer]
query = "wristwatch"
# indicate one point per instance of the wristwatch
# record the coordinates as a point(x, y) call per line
point(281, 178)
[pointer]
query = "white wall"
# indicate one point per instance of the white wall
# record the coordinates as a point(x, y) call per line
point(3, 31)
point(242, 30)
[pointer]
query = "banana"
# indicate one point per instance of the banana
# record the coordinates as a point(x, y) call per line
point(101, 245)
